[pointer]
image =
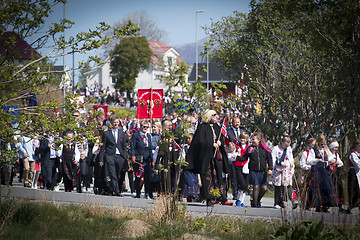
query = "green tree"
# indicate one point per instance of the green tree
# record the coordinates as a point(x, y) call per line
point(128, 58)
point(299, 61)
point(24, 22)
point(148, 27)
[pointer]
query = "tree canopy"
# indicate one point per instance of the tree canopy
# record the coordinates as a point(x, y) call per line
point(147, 27)
point(24, 71)
point(128, 58)
point(300, 62)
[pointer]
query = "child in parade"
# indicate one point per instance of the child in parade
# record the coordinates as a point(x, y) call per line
point(37, 171)
point(232, 152)
point(241, 171)
point(260, 165)
point(283, 171)
point(306, 161)
point(70, 160)
point(191, 181)
point(334, 171)
point(354, 175)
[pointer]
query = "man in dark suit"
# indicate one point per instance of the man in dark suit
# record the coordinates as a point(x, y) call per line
point(141, 153)
point(233, 135)
point(235, 131)
point(113, 153)
point(49, 157)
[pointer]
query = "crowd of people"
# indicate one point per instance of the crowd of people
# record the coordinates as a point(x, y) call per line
point(220, 155)
point(102, 95)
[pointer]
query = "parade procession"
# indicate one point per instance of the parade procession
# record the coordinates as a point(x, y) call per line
point(224, 120)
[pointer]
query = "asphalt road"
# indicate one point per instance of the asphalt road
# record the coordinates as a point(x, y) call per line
point(197, 209)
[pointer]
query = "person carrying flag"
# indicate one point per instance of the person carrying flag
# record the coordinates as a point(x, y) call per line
point(141, 154)
point(207, 157)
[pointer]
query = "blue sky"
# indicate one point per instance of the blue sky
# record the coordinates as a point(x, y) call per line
point(177, 18)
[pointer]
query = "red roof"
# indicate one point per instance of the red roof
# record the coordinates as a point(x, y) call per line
point(20, 50)
point(160, 48)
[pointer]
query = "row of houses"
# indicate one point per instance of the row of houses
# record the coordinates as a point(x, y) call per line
point(164, 58)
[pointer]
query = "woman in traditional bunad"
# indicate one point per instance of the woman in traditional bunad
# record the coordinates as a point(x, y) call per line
point(321, 186)
point(307, 160)
point(334, 169)
point(283, 171)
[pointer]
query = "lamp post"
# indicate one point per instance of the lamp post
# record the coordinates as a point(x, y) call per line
point(196, 47)
point(64, 87)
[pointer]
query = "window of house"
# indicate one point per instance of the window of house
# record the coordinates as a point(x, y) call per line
point(170, 61)
point(158, 77)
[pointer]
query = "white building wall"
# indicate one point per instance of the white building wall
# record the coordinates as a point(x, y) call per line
point(145, 80)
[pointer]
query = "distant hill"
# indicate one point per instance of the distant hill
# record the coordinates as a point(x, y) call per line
point(188, 51)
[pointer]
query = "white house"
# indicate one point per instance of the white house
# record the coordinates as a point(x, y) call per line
point(163, 58)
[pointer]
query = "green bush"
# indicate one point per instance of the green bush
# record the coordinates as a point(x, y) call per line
point(315, 230)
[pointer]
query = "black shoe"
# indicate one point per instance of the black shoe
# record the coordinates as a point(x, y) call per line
point(258, 205)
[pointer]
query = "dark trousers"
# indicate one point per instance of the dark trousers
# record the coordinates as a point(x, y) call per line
point(353, 189)
point(115, 165)
point(147, 180)
point(47, 171)
point(131, 180)
point(86, 172)
point(21, 167)
point(137, 180)
point(242, 181)
point(280, 194)
point(233, 181)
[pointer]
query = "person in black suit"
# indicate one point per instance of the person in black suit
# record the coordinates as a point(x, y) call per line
point(113, 153)
point(49, 157)
point(233, 135)
point(141, 153)
point(235, 131)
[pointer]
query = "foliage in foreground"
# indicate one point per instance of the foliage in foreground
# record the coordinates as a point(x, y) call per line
point(30, 220)
point(314, 230)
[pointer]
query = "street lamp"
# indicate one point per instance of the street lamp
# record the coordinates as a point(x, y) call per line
point(196, 47)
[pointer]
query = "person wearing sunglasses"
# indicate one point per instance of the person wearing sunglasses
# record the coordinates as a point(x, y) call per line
point(141, 156)
point(207, 157)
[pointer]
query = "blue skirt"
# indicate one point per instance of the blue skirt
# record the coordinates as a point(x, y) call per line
point(191, 184)
point(258, 178)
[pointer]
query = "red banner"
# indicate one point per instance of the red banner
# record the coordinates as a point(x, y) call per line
point(143, 103)
point(102, 108)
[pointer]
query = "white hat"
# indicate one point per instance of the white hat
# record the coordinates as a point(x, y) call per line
point(333, 145)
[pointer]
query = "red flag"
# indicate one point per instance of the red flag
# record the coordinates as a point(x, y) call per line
point(140, 172)
point(175, 145)
point(253, 133)
point(223, 128)
point(295, 193)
